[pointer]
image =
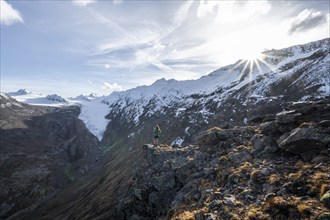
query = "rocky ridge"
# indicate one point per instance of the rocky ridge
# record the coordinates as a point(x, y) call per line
point(278, 169)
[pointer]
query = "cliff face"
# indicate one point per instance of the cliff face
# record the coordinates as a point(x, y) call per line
point(42, 149)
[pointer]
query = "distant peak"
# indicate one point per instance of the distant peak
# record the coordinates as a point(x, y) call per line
point(55, 97)
point(93, 95)
point(20, 92)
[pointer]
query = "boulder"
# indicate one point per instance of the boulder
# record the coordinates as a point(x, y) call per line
point(270, 128)
point(207, 138)
point(212, 137)
point(287, 117)
point(263, 145)
point(304, 140)
point(240, 156)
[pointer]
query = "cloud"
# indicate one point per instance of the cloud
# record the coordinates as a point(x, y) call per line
point(181, 13)
point(83, 2)
point(8, 14)
point(117, 2)
point(307, 19)
point(112, 87)
point(232, 11)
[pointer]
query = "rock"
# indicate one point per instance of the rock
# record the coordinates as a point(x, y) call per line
point(212, 137)
point(303, 107)
point(324, 123)
point(325, 199)
point(215, 204)
point(206, 196)
point(207, 138)
point(269, 128)
point(287, 117)
point(269, 117)
point(263, 145)
point(269, 195)
point(281, 192)
point(138, 193)
point(264, 171)
point(224, 135)
point(256, 119)
point(163, 182)
point(210, 216)
point(239, 157)
point(229, 200)
point(304, 141)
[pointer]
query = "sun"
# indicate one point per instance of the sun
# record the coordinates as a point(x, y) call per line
point(252, 55)
point(253, 63)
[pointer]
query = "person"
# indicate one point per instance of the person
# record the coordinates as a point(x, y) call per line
point(156, 135)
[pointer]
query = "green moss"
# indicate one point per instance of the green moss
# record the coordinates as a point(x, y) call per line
point(325, 196)
point(324, 216)
point(70, 174)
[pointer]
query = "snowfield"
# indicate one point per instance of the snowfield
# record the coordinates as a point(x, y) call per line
point(93, 110)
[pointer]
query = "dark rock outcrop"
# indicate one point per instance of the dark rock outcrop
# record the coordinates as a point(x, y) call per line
point(42, 149)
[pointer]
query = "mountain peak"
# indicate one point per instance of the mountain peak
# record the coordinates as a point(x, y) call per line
point(20, 92)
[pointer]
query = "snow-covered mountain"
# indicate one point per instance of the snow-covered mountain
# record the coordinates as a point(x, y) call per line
point(296, 73)
point(93, 110)
point(247, 92)
point(33, 98)
point(233, 94)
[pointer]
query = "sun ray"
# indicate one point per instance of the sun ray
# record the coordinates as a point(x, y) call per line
point(259, 67)
point(271, 67)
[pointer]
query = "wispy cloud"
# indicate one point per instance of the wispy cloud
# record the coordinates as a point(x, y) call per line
point(83, 2)
point(8, 14)
point(306, 20)
point(112, 87)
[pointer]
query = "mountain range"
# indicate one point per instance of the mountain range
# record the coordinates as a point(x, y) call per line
point(84, 149)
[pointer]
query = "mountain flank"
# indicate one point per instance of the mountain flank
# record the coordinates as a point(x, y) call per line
point(42, 149)
point(276, 169)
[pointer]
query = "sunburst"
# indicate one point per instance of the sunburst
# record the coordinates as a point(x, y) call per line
point(254, 61)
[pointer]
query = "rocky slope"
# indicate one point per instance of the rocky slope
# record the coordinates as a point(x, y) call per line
point(276, 169)
point(42, 149)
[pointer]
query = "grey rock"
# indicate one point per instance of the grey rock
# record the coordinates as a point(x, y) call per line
point(269, 128)
point(215, 204)
point(229, 200)
point(304, 140)
point(239, 157)
point(163, 182)
point(287, 117)
point(263, 145)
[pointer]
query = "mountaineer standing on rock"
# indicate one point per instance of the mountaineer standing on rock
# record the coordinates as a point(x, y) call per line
point(156, 135)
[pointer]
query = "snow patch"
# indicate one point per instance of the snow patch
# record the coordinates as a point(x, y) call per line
point(93, 115)
point(177, 141)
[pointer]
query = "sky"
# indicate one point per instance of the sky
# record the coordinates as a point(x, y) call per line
point(73, 47)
